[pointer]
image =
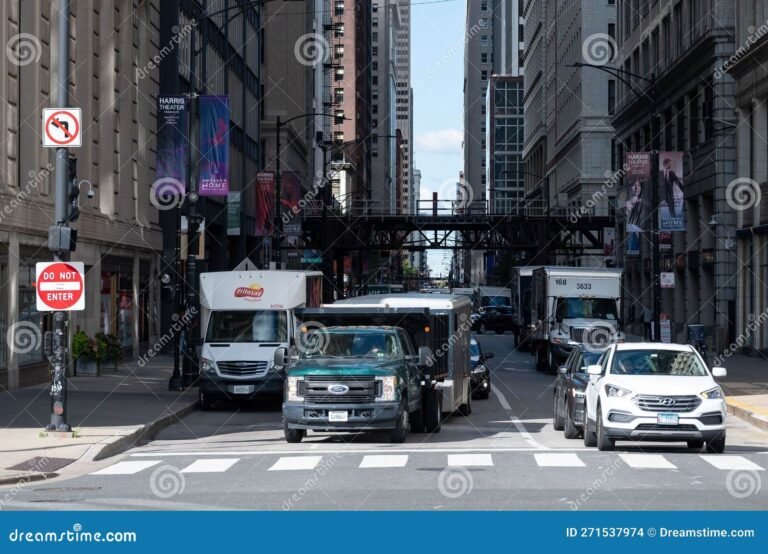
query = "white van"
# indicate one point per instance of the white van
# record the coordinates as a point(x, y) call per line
point(246, 316)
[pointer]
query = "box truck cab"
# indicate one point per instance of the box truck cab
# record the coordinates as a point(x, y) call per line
point(574, 305)
point(246, 316)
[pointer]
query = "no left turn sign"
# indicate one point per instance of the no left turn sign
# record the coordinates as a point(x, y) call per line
point(61, 127)
point(60, 286)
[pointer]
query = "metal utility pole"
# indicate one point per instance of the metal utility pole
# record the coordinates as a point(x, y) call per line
point(61, 230)
point(655, 258)
point(277, 226)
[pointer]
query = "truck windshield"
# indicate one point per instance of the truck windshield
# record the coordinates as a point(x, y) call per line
point(494, 301)
point(248, 326)
point(586, 308)
point(332, 343)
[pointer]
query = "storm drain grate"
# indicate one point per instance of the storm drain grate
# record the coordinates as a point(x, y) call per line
point(42, 464)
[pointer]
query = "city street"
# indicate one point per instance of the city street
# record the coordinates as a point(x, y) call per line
point(505, 455)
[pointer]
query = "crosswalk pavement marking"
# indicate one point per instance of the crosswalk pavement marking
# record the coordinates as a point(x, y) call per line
point(126, 468)
point(558, 460)
point(384, 461)
point(647, 461)
point(289, 463)
point(732, 462)
point(467, 460)
point(211, 465)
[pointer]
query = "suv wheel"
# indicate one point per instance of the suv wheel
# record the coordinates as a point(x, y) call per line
point(603, 442)
point(589, 435)
point(557, 419)
point(571, 431)
point(717, 446)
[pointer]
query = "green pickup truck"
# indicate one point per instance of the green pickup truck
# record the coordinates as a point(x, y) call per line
point(356, 378)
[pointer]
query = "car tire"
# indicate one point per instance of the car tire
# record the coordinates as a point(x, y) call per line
point(696, 445)
point(481, 329)
point(570, 431)
point(466, 408)
point(604, 443)
point(400, 433)
point(293, 435)
point(589, 435)
point(205, 402)
point(717, 446)
point(557, 420)
point(433, 414)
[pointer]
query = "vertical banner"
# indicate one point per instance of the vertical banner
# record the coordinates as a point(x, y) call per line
point(638, 180)
point(265, 203)
point(233, 214)
point(291, 194)
point(609, 242)
point(671, 195)
point(171, 172)
point(214, 146)
point(665, 241)
point(633, 244)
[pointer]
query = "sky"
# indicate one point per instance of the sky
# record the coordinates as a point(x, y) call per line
point(437, 77)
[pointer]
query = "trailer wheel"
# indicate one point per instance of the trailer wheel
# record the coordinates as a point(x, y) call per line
point(293, 435)
point(417, 418)
point(433, 414)
point(466, 408)
point(541, 360)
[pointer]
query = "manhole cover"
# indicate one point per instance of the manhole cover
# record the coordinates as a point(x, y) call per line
point(42, 464)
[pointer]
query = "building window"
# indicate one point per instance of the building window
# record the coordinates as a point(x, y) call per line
point(693, 126)
point(679, 28)
point(484, 57)
point(665, 29)
point(338, 136)
point(339, 95)
point(483, 40)
point(484, 5)
point(339, 7)
point(338, 51)
point(339, 30)
point(484, 75)
point(611, 96)
point(339, 74)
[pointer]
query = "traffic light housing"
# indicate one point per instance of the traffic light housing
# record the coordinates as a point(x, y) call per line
point(73, 191)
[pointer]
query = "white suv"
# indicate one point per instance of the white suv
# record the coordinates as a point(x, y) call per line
point(654, 392)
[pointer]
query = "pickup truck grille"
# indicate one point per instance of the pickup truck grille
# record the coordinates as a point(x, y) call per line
point(667, 403)
point(243, 368)
point(314, 389)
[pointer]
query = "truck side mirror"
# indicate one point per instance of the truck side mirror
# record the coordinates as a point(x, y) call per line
point(280, 357)
point(425, 356)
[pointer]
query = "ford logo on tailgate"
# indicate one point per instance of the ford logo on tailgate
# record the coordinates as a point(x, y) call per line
point(338, 389)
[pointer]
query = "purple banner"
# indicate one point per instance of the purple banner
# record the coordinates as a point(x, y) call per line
point(265, 203)
point(171, 168)
point(290, 184)
point(214, 146)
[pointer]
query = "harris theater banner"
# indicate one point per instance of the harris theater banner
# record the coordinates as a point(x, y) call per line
point(671, 192)
point(638, 190)
point(290, 184)
point(214, 146)
point(172, 119)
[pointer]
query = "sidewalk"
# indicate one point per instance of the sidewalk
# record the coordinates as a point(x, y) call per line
point(108, 414)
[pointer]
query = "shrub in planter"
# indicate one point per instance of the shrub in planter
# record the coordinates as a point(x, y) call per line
point(85, 353)
point(110, 351)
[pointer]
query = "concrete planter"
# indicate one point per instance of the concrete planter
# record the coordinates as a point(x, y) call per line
point(86, 366)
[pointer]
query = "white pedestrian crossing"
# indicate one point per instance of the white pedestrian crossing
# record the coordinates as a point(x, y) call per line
point(469, 460)
point(292, 463)
point(730, 463)
point(126, 468)
point(210, 465)
point(647, 461)
point(558, 460)
point(384, 461)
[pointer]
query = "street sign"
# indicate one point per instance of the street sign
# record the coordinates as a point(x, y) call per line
point(60, 286)
point(61, 127)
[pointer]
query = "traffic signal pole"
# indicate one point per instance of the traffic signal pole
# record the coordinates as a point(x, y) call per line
point(60, 248)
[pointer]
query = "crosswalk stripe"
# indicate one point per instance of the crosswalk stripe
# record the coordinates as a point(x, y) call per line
point(211, 465)
point(728, 463)
point(467, 460)
point(126, 468)
point(384, 461)
point(558, 460)
point(647, 461)
point(289, 463)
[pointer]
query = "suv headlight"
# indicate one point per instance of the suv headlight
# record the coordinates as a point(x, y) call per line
point(292, 389)
point(479, 368)
point(712, 394)
point(616, 392)
point(207, 366)
point(388, 388)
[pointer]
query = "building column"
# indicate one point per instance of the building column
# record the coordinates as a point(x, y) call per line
point(135, 304)
point(92, 321)
point(12, 309)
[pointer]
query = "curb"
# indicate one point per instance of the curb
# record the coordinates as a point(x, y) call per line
point(746, 412)
point(109, 448)
point(26, 478)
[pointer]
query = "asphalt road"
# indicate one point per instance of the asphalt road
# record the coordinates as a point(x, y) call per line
point(505, 456)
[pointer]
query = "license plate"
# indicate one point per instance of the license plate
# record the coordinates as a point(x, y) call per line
point(667, 419)
point(338, 416)
point(242, 389)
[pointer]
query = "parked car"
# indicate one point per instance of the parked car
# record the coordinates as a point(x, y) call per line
point(494, 318)
point(572, 379)
point(655, 392)
point(481, 375)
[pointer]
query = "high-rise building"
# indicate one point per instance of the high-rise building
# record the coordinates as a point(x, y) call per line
point(404, 102)
point(685, 45)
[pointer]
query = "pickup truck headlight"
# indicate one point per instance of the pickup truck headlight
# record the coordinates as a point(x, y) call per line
point(616, 392)
point(207, 366)
point(388, 388)
point(712, 394)
point(292, 389)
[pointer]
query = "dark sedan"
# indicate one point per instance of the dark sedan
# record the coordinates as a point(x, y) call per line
point(494, 318)
point(569, 401)
point(481, 375)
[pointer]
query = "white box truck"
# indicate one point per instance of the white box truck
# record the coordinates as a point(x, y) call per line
point(573, 306)
point(246, 316)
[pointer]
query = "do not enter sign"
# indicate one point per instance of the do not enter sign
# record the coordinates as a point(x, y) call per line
point(60, 286)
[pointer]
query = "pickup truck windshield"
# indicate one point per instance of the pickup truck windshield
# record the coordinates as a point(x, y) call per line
point(331, 343)
point(586, 308)
point(248, 326)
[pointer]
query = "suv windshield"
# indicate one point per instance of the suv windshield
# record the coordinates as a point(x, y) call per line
point(657, 362)
point(586, 308)
point(332, 343)
point(248, 326)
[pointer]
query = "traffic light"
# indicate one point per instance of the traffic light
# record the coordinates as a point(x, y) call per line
point(74, 191)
